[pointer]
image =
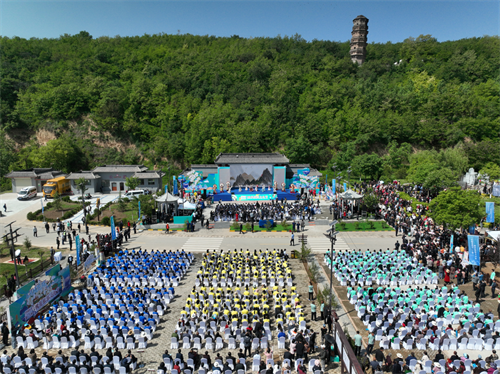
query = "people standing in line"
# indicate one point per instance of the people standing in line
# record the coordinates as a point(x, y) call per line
point(311, 291)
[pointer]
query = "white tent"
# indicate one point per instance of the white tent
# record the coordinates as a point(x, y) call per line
point(494, 234)
point(167, 198)
point(350, 195)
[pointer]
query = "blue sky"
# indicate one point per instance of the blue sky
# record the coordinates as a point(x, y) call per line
point(324, 20)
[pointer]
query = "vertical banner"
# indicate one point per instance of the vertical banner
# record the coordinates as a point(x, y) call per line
point(472, 229)
point(451, 244)
point(41, 201)
point(77, 245)
point(334, 185)
point(166, 188)
point(139, 210)
point(175, 190)
point(345, 186)
point(113, 230)
point(473, 243)
point(326, 182)
point(490, 212)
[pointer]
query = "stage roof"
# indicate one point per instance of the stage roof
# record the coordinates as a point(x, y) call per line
point(251, 158)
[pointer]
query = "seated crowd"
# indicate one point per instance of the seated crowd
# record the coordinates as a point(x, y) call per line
point(119, 309)
point(381, 267)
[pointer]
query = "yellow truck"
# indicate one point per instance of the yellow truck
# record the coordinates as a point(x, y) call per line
point(59, 184)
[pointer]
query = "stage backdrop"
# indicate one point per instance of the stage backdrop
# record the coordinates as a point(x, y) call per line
point(251, 175)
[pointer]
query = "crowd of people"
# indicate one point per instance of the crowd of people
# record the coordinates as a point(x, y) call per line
point(300, 210)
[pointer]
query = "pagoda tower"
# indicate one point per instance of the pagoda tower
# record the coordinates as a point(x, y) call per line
point(358, 40)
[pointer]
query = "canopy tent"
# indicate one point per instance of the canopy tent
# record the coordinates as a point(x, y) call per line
point(167, 198)
point(167, 203)
point(494, 235)
point(350, 195)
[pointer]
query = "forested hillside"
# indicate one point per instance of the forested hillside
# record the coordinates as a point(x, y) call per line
point(181, 99)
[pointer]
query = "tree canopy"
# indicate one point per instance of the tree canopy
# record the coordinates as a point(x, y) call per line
point(457, 208)
point(181, 99)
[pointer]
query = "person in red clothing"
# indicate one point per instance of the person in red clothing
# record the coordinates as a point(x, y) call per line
point(167, 227)
point(447, 276)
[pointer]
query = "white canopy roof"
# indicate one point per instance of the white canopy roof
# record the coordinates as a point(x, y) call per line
point(167, 198)
point(494, 234)
point(350, 195)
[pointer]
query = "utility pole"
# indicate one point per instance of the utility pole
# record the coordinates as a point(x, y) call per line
point(12, 238)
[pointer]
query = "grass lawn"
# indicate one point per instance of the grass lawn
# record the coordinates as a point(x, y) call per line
point(6, 270)
point(127, 215)
point(278, 227)
point(364, 226)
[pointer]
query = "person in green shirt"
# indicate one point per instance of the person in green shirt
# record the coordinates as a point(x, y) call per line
point(311, 291)
point(313, 311)
point(322, 310)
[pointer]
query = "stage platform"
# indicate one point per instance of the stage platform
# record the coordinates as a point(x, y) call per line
point(256, 195)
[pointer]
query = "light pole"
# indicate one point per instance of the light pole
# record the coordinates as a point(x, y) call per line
point(333, 238)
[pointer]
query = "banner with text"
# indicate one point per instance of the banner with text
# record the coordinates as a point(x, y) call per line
point(334, 185)
point(113, 229)
point(490, 212)
point(78, 249)
point(254, 197)
point(474, 254)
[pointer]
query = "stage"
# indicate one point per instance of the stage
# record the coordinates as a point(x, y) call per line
point(258, 194)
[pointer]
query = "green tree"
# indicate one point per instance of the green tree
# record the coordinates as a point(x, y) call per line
point(58, 154)
point(368, 165)
point(456, 208)
point(370, 202)
point(57, 202)
point(81, 185)
point(132, 183)
point(492, 169)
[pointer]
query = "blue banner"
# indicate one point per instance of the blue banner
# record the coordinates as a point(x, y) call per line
point(41, 201)
point(326, 182)
point(175, 190)
point(166, 188)
point(473, 244)
point(77, 244)
point(490, 212)
point(472, 229)
point(334, 185)
point(113, 229)
point(345, 186)
point(139, 210)
point(451, 244)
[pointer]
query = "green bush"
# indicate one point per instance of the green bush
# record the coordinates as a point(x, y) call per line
point(235, 226)
point(49, 205)
point(371, 224)
point(356, 225)
point(268, 225)
point(67, 215)
point(37, 212)
point(248, 227)
point(39, 217)
point(30, 216)
point(342, 224)
point(106, 221)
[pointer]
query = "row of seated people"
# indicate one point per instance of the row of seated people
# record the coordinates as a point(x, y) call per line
point(78, 361)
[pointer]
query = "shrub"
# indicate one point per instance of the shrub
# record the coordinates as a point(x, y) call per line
point(30, 216)
point(106, 221)
point(37, 212)
point(49, 205)
point(248, 227)
point(342, 224)
point(384, 225)
point(268, 225)
point(235, 226)
point(356, 225)
point(371, 224)
point(67, 215)
point(27, 243)
point(66, 199)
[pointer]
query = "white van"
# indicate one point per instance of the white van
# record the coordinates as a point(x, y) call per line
point(133, 193)
point(27, 193)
